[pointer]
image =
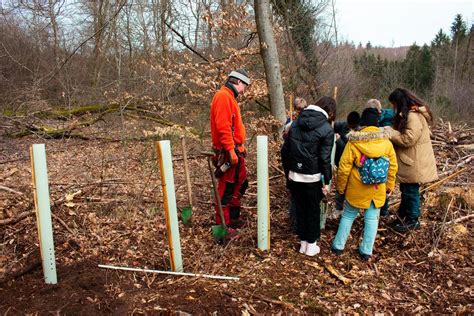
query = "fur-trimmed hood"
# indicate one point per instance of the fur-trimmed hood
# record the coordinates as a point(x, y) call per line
point(365, 135)
point(370, 141)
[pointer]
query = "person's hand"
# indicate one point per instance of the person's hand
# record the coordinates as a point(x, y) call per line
point(338, 136)
point(233, 158)
point(325, 189)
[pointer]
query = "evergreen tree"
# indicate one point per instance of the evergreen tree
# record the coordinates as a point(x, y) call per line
point(458, 29)
point(441, 40)
point(419, 68)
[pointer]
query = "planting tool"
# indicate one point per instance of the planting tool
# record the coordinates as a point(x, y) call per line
point(186, 211)
point(218, 231)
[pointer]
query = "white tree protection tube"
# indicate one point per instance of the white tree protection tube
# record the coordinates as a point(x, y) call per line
point(39, 172)
point(163, 149)
point(263, 194)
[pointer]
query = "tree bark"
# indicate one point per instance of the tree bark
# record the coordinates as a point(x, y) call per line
point(269, 53)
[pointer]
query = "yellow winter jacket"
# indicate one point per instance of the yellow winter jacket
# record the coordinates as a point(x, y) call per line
point(373, 143)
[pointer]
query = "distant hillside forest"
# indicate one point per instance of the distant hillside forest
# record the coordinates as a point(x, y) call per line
point(65, 54)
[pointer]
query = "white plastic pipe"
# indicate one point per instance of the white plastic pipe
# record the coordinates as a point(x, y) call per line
point(198, 275)
point(43, 211)
point(163, 149)
point(263, 196)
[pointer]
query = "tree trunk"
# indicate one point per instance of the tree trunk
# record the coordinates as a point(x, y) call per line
point(269, 53)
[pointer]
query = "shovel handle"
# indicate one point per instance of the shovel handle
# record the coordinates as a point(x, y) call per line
point(186, 171)
point(216, 193)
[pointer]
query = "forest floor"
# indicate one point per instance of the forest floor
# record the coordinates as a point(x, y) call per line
point(107, 209)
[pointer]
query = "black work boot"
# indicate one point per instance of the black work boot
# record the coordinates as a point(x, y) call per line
point(407, 226)
point(363, 256)
point(395, 222)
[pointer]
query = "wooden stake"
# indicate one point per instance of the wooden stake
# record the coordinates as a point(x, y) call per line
point(291, 107)
point(186, 171)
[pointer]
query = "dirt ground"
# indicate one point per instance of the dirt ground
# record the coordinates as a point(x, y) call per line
point(107, 209)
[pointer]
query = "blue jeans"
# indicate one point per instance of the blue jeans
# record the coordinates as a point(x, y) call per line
point(409, 209)
point(371, 223)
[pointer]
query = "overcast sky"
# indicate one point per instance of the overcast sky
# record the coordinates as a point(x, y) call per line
point(398, 22)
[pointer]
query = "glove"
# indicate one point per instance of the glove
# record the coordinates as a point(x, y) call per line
point(325, 189)
point(233, 159)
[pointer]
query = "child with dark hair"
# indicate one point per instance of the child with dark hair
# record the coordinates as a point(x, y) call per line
point(386, 116)
point(369, 145)
point(306, 158)
point(341, 129)
point(411, 138)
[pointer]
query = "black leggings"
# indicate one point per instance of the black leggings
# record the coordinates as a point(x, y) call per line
point(307, 197)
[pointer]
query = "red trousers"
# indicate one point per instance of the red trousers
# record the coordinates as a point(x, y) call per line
point(232, 186)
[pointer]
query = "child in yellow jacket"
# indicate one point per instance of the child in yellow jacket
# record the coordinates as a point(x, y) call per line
point(369, 142)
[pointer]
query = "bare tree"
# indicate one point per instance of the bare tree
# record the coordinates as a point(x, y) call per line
point(269, 53)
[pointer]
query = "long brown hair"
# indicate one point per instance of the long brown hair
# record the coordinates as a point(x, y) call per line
point(404, 101)
point(328, 104)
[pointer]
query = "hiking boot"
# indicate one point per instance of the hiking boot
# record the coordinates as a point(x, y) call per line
point(304, 245)
point(335, 251)
point(364, 257)
point(384, 212)
point(407, 226)
point(237, 223)
point(394, 223)
point(312, 249)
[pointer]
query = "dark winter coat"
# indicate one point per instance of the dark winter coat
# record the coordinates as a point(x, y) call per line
point(307, 149)
point(342, 129)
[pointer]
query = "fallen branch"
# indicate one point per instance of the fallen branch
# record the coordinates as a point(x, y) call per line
point(276, 302)
point(277, 169)
point(10, 190)
point(438, 183)
point(63, 224)
point(337, 274)
point(460, 219)
point(11, 221)
point(434, 185)
point(443, 225)
point(271, 178)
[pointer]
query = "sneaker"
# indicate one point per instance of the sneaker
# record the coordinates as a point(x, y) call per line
point(312, 249)
point(335, 251)
point(364, 257)
point(408, 225)
point(336, 214)
point(304, 245)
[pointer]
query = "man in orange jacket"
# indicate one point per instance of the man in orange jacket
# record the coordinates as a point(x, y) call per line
point(228, 137)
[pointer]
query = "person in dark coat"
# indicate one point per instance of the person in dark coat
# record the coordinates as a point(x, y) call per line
point(306, 158)
point(341, 129)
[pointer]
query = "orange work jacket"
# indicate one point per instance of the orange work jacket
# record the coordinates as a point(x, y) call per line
point(227, 128)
